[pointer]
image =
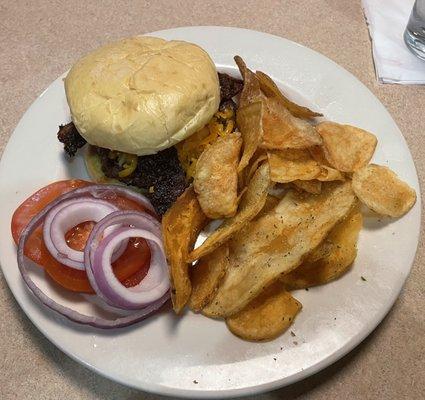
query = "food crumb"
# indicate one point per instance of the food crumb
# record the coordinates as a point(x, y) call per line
point(363, 278)
point(295, 342)
point(335, 319)
point(274, 358)
point(281, 348)
point(195, 381)
point(292, 334)
point(306, 289)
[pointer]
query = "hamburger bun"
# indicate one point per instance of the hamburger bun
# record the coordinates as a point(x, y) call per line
point(143, 94)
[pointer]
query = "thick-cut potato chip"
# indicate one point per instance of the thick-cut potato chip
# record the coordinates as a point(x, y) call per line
point(270, 89)
point(346, 147)
point(270, 205)
point(267, 316)
point(332, 258)
point(249, 120)
point(251, 204)
point(281, 130)
point(216, 177)
point(317, 153)
point(314, 186)
point(382, 191)
point(181, 225)
point(292, 164)
point(206, 276)
point(251, 91)
point(276, 243)
point(258, 158)
point(328, 173)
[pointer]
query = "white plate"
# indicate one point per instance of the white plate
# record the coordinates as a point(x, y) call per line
point(168, 355)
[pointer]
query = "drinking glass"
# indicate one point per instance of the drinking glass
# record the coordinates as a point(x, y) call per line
point(414, 35)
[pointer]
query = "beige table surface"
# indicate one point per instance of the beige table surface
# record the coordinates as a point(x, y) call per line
point(39, 40)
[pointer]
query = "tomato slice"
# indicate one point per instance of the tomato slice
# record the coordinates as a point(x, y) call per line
point(133, 263)
point(31, 207)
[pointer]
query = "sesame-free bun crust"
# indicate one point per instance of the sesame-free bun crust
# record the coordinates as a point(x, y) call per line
point(143, 94)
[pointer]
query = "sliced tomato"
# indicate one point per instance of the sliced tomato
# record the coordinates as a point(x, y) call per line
point(31, 207)
point(133, 264)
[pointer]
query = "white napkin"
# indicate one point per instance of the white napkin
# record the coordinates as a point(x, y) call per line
point(394, 63)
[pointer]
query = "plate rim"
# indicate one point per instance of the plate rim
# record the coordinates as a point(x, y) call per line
point(278, 383)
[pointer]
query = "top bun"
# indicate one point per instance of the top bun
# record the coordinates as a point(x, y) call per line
point(143, 94)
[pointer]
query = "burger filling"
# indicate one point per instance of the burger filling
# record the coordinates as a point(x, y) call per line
point(163, 176)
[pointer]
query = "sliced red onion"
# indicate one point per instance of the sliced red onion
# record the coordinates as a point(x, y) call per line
point(152, 287)
point(94, 193)
point(68, 214)
point(98, 192)
point(98, 266)
point(66, 311)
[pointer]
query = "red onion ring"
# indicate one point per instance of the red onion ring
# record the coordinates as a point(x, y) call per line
point(152, 287)
point(135, 219)
point(65, 216)
point(98, 192)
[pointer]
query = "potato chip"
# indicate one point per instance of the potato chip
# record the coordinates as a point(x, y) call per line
point(327, 172)
point(216, 177)
point(181, 225)
point(292, 164)
point(265, 317)
point(249, 120)
point(281, 130)
point(314, 186)
point(251, 91)
point(276, 243)
point(251, 204)
point(346, 147)
point(270, 205)
point(270, 89)
point(255, 163)
point(382, 191)
point(332, 258)
point(206, 276)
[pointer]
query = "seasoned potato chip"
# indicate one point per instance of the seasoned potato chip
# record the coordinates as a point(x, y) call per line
point(216, 177)
point(276, 243)
point(292, 164)
point(249, 120)
point(281, 130)
point(267, 316)
point(181, 225)
point(251, 204)
point(270, 89)
point(270, 205)
point(327, 172)
point(318, 154)
point(382, 191)
point(333, 256)
point(314, 186)
point(259, 157)
point(251, 91)
point(346, 147)
point(206, 276)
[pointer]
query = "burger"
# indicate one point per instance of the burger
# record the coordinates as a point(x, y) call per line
point(134, 103)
